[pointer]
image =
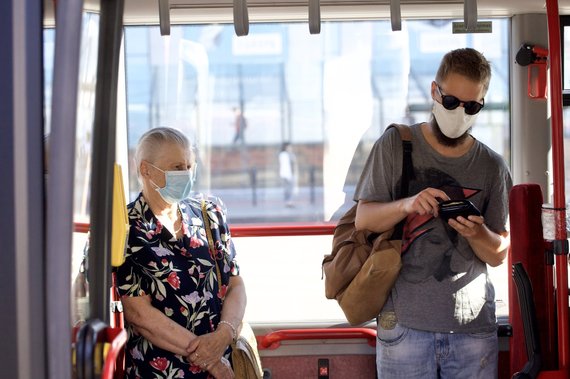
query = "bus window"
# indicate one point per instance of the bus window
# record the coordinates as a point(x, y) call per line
point(328, 96)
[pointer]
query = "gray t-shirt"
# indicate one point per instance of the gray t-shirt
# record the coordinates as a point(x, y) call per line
point(443, 286)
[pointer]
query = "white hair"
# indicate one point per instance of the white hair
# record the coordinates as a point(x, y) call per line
point(152, 140)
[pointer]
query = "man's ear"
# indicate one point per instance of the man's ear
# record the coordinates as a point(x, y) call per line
point(433, 90)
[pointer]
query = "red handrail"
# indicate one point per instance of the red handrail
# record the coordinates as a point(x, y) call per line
point(273, 339)
point(273, 230)
point(554, 46)
point(112, 358)
point(80, 227)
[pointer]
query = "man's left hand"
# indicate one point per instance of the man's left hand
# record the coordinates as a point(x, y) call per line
point(468, 227)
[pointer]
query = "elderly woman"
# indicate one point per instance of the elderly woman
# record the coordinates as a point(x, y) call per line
point(180, 318)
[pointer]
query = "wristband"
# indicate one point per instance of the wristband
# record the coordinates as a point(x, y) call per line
point(234, 331)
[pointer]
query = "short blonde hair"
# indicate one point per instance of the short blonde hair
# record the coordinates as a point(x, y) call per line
point(152, 140)
point(467, 62)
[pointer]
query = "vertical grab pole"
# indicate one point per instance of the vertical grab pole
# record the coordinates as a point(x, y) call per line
point(60, 187)
point(558, 175)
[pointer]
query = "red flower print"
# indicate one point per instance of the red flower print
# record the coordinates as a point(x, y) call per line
point(159, 363)
point(164, 261)
point(222, 292)
point(195, 369)
point(195, 242)
point(174, 280)
point(158, 227)
point(184, 310)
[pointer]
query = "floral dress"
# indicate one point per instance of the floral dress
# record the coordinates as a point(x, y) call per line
point(180, 277)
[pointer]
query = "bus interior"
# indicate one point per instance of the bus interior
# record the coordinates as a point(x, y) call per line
point(83, 80)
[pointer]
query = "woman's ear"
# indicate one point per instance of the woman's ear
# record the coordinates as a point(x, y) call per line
point(143, 169)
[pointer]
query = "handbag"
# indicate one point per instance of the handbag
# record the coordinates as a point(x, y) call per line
point(363, 266)
point(245, 357)
point(246, 362)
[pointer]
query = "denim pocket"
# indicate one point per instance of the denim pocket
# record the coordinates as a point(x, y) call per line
point(391, 337)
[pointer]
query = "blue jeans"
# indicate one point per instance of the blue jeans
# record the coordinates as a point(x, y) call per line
point(408, 353)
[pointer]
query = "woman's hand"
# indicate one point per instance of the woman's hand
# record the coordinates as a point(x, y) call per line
point(222, 370)
point(208, 349)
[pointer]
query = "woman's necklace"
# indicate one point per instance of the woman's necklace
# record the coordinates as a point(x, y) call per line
point(179, 213)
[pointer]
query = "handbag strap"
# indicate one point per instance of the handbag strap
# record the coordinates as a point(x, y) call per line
point(211, 245)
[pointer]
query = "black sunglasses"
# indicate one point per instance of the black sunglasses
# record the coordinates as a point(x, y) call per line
point(451, 102)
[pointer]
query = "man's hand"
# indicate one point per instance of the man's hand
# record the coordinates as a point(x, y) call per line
point(425, 202)
point(468, 227)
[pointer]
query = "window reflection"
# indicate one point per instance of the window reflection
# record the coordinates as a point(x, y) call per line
point(329, 96)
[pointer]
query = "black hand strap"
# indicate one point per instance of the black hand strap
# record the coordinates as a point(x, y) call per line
point(407, 171)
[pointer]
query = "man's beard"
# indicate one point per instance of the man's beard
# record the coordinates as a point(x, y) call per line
point(445, 140)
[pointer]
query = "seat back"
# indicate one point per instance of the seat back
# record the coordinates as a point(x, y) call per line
point(529, 248)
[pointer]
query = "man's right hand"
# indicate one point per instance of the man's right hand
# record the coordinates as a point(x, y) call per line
point(425, 202)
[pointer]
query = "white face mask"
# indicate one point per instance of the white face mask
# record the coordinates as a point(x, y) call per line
point(454, 123)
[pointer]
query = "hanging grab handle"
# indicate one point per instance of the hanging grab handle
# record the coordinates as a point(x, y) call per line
point(164, 17)
point(314, 16)
point(470, 14)
point(241, 18)
point(395, 15)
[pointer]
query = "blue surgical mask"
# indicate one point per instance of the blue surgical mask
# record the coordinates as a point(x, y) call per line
point(178, 185)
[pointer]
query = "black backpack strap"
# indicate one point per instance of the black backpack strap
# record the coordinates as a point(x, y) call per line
point(407, 170)
point(407, 164)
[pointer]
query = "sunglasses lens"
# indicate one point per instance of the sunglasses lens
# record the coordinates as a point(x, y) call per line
point(450, 102)
point(472, 107)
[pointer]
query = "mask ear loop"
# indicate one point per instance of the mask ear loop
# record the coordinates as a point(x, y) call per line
point(194, 172)
point(156, 186)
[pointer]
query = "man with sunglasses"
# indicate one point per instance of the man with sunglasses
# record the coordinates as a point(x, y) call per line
point(440, 319)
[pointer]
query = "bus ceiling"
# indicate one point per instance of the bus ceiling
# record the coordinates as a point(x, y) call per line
point(146, 12)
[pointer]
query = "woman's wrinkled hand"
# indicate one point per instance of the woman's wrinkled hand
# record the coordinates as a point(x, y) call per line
point(208, 349)
point(222, 370)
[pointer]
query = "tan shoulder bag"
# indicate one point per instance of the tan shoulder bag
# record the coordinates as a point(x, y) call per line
point(363, 266)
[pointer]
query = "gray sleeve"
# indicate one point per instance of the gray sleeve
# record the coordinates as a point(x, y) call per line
point(378, 181)
point(496, 210)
